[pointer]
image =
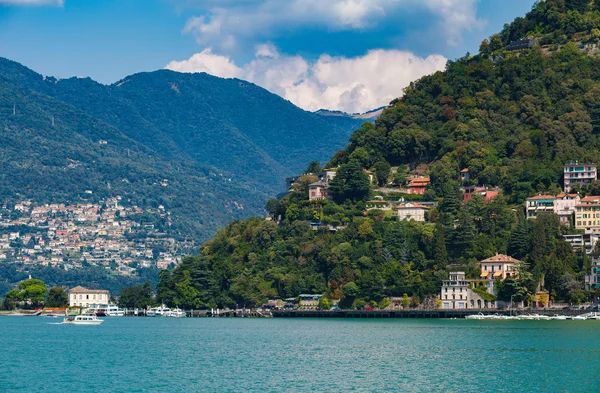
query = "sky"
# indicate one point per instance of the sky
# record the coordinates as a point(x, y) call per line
point(349, 55)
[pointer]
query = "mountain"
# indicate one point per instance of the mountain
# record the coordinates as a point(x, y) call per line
point(371, 115)
point(512, 114)
point(223, 145)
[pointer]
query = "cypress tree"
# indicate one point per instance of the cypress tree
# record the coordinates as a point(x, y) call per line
point(439, 247)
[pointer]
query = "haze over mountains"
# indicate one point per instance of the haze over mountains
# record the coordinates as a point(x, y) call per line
point(223, 145)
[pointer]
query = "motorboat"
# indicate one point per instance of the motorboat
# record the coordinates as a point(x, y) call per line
point(579, 318)
point(85, 319)
point(158, 311)
point(175, 313)
point(557, 317)
point(477, 316)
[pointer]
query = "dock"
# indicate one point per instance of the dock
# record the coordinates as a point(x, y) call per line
point(432, 313)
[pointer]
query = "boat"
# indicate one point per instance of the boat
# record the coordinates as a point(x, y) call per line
point(477, 316)
point(557, 317)
point(158, 311)
point(579, 318)
point(85, 319)
point(113, 311)
point(175, 313)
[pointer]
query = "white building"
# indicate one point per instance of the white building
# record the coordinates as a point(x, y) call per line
point(83, 297)
point(576, 173)
point(412, 211)
point(456, 293)
point(563, 205)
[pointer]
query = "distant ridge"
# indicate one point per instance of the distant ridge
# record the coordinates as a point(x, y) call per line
point(224, 145)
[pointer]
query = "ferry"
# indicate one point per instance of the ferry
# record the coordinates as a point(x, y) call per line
point(113, 311)
point(86, 319)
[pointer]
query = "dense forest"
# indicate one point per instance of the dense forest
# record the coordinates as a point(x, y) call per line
point(512, 117)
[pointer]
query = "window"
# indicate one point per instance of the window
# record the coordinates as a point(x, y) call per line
point(499, 267)
point(87, 297)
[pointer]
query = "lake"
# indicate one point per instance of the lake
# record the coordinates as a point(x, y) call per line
point(298, 355)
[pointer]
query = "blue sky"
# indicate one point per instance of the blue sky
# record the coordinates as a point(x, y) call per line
point(317, 53)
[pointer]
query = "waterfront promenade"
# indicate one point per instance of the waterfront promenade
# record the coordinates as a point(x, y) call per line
point(433, 313)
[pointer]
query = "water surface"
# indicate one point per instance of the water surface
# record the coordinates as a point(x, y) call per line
point(298, 355)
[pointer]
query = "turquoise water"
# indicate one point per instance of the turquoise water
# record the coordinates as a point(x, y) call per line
point(299, 355)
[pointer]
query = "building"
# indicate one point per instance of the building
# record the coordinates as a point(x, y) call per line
point(317, 191)
point(563, 205)
point(83, 297)
point(587, 214)
point(540, 204)
point(488, 195)
point(328, 174)
point(592, 280)
point(456, 293)
point(464, 175)
point(586, 241)
point(418, 185)
point(526, 43)
point(309, 300)
point(412, 211)
point(499, 266)
point(576, 173)
point(377, 203)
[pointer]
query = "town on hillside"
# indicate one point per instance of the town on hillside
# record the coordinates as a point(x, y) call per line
point(407, 200)
point(108, 234)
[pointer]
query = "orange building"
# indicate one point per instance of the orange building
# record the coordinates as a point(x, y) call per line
point(417, 185)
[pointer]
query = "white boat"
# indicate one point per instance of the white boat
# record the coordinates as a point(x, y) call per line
point(527, 317)
point(579, 318)
point(559, 317)
point(113, 311)
point(158, 311)
point(477, 316)
point(175, 313)
point(86, 319)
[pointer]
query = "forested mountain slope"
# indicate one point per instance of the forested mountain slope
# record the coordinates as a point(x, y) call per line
point(512, 117)
point(223, 145)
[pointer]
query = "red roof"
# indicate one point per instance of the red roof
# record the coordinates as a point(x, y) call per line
point(590, 199)
point(541, 197)
point(465, 170)
point(500, 258)
point(414, 205)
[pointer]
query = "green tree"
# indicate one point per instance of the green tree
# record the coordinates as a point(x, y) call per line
point(32, 292)
point(324, 303)
point(440, 252)
point(405, 301)
point(137, 296)
point(350, 183)
point(382, 171)
point(314, 167)
point(57, 297)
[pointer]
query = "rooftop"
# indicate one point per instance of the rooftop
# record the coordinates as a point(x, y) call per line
point(500, 258)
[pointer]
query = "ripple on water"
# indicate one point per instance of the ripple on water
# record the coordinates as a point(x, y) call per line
point(295, 355)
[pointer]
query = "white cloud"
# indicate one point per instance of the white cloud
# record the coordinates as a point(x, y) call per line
point(228, 22)
point(58, 3)
point(338, 83)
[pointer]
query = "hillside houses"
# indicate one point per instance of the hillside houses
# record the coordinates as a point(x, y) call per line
point(73, 236)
